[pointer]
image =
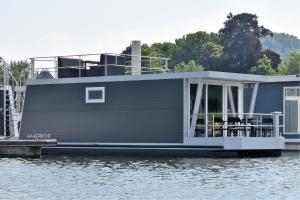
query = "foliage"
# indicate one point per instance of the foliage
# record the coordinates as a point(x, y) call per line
point(282, 69)
point(283, 44)
point(190, 66)
point(201, 47)
point(19, 71)
point(166, 49)
point(293, 63)
point(263, 67)
point(240, 38)
point(273, 56)
point(236, 48)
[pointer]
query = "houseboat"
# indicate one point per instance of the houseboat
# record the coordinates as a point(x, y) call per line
point(132, 104)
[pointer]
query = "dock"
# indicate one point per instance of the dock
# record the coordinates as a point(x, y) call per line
point(14, 147)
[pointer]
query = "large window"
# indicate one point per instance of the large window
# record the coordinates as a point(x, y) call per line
point(95, 95)
point(292, 109)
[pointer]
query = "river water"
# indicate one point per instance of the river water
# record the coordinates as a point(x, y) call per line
point(150, 178)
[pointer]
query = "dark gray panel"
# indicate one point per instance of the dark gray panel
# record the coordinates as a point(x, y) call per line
point(139, 111)
point(269, 97)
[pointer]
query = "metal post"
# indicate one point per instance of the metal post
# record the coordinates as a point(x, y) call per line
point(213, 125)
point(206, 111)
point(276, 124)
point(31, 68)
point(196, 108)
point(55, 59)
point(79, 68)
point(166, 65)
point(4, 99)
point(105, 65)
point(253, 99)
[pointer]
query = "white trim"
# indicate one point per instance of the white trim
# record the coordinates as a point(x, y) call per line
point(292, 140)
point(291, 133)
point(225, 106)
point(221, 76)
point(283, 98)
point(253, 98)
point(88, 89)
point(196, 107)
point(231, 101)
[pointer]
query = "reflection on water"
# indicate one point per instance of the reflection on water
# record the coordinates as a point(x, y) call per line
point(150, 178)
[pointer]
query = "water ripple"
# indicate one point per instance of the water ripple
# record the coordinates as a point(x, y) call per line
point(150, 178)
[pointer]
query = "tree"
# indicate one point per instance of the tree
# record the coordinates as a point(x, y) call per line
point(165, 49)
point(201, 47)
point(240, 38)
point(293, 63)
point(190, 66)
point(273, 56)
point(19, 71)
point(263, 67)
point(282, 69)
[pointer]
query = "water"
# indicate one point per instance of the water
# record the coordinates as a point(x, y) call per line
point(150, 178)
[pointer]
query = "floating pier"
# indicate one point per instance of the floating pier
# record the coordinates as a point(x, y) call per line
point(13, 147)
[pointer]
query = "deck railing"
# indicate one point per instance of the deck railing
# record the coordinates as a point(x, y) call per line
point(146, 64)
point(238, 125)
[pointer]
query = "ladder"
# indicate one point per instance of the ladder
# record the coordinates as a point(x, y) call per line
point(11, 116)
point(13, 99)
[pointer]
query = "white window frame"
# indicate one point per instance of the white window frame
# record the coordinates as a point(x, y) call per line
point(224, 85)
point(88, 89)
point(284, 91)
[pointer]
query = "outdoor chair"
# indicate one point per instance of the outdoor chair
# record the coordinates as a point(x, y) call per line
point(250, 123)
point(267, 128)
point(200, 128)
point(219, 123)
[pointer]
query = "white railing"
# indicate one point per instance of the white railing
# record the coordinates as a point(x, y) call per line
point(238, 125)
point(148, 64)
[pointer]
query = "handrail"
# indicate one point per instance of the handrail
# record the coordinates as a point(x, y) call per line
point(245, 125)
point(98, 54)
point(143, 64)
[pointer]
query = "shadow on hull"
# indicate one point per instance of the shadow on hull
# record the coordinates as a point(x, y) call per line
point(160, 152)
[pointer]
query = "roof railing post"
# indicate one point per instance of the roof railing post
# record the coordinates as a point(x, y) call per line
point(55, 60)
point(166, 65)
point(31, 68)
point(105, 65)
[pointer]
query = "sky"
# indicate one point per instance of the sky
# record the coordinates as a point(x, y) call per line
point(62, 27)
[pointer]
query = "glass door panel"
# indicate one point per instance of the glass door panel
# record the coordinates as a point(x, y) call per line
point(215, 110)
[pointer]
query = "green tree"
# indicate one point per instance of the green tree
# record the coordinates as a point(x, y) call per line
point(190, 66)
point(263, 67)
point(200, 46)
point(16, 70)
point(165, 49)
point(282, 69)
point(293, 63)
point(240, 38)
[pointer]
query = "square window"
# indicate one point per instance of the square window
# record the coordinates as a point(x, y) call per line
point(95, 95)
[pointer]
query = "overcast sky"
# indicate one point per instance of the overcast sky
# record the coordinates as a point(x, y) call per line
point(57, 27)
